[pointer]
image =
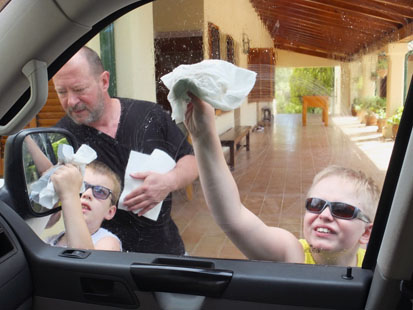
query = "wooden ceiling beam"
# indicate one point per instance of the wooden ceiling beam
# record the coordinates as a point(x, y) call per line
point(386, 7)
point(284, 6)
point(312, 53)
point(327, 50)
point(313, 46)
point(396, 3)
point(327, 25)
point(327, 8)
point(382, 41)
point(357, 7)
point(345, 43)
point(335, 28)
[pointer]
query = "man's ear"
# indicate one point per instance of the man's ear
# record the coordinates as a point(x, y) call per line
point(365, 237)
point(105, 80)
point(111, 213)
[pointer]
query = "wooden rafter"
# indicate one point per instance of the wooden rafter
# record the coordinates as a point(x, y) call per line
point(338, 29)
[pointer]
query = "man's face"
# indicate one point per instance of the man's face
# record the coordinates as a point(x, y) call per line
point(80, 93)
point(325, 232)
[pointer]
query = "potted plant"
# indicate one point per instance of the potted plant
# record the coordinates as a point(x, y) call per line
point(361, 109)
point(381, 119)
point(394, 121)
point(371, 118)
point(355, 107)
point(372, 106)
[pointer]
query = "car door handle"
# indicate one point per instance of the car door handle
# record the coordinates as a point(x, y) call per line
point(181, 279)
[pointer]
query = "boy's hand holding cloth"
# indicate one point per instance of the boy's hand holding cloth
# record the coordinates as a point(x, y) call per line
point(42, 191)
point(217, 82)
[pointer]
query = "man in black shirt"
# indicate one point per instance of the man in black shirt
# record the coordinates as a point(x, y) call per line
point(114, 127)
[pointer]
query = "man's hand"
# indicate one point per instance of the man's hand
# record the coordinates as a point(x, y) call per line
point(154, 189)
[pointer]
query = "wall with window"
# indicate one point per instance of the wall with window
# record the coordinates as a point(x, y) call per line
point(292, 59)
point(243, 20)
point(168, 12)
point(134, 36)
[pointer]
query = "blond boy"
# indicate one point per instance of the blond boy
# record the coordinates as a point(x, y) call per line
point(338, 219)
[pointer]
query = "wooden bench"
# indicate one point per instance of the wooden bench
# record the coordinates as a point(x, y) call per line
point(232, 138)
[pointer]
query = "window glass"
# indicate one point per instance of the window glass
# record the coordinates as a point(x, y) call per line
point(326, 84)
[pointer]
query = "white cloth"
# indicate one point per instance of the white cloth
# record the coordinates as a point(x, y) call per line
point(96, 236)
point(42, 191)
point(159, 161)
point(217, 82)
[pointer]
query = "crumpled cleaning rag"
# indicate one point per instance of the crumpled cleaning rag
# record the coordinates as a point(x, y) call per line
point(42, 191)
point(159, 161)
point(217, 82)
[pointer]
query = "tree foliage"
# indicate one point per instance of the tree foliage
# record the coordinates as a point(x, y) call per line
point(318, 81)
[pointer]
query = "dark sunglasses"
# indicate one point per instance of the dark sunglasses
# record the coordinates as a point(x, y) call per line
point(99, 192)
point(339, 210)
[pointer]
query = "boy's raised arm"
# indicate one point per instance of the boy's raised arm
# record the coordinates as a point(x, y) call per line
point(255, 239)
point(67, 181)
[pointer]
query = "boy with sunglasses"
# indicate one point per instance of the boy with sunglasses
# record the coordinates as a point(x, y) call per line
point(84, 215)
point(339, 210)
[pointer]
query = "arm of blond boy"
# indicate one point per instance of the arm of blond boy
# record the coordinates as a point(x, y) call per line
point(108, 243)
point(250, 234)
point(67, 181)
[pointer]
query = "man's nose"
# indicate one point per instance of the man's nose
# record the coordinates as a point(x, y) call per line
point(72, 99)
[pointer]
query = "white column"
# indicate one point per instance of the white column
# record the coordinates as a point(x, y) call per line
point(346, 99)
point(355, 76)
point(395, 77)
point(336, 102)
point(134, 52)
point(368, 66)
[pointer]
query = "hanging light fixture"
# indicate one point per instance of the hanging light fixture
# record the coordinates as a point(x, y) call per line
point(245, 43)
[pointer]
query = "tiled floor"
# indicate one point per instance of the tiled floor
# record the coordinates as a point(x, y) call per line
point(274, 176)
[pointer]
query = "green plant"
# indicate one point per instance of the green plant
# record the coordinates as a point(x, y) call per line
point(309, 82)
point(382, 63)
point(381, 114)
point(395, 118)
point(357, 104)
point(373, 105)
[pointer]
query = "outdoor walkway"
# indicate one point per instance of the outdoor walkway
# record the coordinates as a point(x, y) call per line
point(275, 175)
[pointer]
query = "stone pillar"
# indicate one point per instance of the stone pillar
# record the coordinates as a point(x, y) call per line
point(395, 77)
point(345, 102)
point(395, 80)
point(355, 76)
point(135, 56)
point(368, 63)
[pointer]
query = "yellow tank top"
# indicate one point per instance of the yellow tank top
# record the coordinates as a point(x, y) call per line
point(308, 258)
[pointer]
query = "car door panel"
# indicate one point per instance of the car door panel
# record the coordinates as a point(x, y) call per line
point(112, 279)
point(14, 270)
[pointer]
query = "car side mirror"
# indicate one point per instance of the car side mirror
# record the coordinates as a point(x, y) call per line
point(28, 154)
